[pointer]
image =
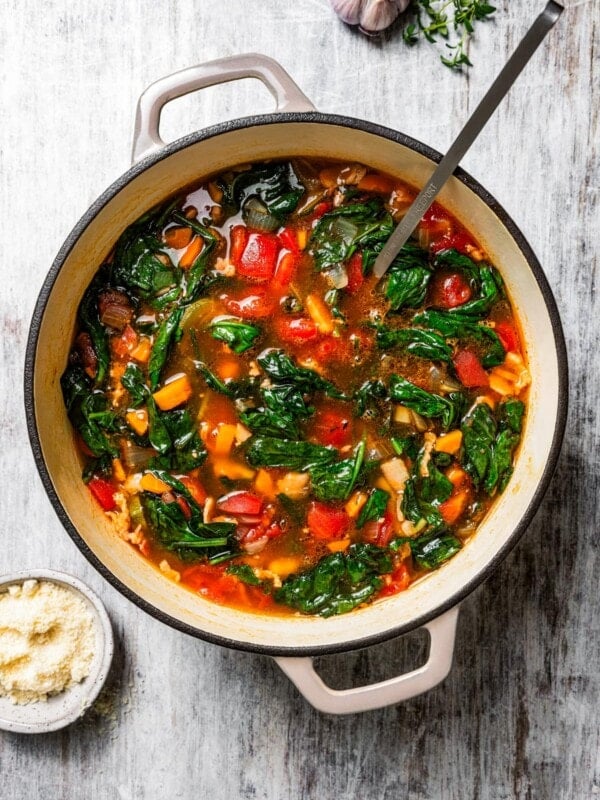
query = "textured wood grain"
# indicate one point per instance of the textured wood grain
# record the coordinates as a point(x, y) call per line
point(518, 715)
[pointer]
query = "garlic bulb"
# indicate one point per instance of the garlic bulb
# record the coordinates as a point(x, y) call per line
point(372, 16)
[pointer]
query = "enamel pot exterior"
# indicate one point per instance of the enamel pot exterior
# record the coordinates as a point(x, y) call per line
point(154, 179)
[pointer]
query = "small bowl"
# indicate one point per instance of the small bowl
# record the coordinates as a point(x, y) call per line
point(64, 708)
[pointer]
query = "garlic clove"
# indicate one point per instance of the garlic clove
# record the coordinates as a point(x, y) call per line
point(348, 10)
point(377, 15)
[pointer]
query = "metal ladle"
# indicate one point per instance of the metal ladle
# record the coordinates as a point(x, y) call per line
point(474, 125)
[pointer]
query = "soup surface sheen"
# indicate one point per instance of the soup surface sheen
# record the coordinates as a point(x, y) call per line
point(269, 426)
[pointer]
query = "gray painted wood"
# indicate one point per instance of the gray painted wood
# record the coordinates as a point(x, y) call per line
point(518, 715)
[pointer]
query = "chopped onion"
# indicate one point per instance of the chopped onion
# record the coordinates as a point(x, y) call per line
point(256, 546)
point(136, 458)
point(256, 215)
point(337, 276)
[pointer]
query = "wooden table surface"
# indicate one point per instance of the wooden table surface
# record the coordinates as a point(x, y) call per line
point(518, 715)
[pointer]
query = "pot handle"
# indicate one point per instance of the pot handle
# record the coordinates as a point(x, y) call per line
point(302, 673)
point(288, 96)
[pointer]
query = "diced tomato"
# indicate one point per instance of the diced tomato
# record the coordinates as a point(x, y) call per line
point(288, 239)
point(273, 530)
point(469, 370)
point(216, 584)
point(321, 208)
point(327, 522)
point(460, 241)
point(195, 488)
point(244, 503)
point(450, 291)
point(296, 330)
point(436, 221)
point(122, 345)
point(379, 531)
point(104, 493)
point(237, 243)
point(331, 427)
point(332, 348)
point(355, 273)
point(452, 508)
point(259, 257)
point(508, 336)
point(286, 270)
point(400, 580)
point(255, 305)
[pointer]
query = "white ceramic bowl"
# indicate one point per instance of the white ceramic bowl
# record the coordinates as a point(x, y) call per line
point(163, 170)
point(62, 709)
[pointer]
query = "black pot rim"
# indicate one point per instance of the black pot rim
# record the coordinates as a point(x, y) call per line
point(257, 121)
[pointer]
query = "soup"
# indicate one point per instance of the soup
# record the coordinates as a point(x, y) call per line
point(270, 426)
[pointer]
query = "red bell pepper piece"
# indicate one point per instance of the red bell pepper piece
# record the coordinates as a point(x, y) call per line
point(286, 269)
point(237, 243)
point(327, 522)
point(508, 336)
point(296, 330)
point(355, 273)
point(288, 239)
point(259, 257)
point(321, 208)
point(103, 492)
point(469, 370)
point(244, 503)
point(400, 580)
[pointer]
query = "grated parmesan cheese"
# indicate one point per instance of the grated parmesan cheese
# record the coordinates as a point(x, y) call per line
point(47, 641)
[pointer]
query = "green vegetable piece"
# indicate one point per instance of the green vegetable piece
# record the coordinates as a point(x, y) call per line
point(89, 412)
point(90, 321)
point(244, 572)
point(479, 433)
point(275, 184)
point(280, 368)
point(466, 329)
point(431, 551)
point(374, 508)
point(408, 278)
point(510, 414)
point(338, 583)
point(167, 334)
point(268, 451)
point(239, 335)
point(429, 405)
point(422, 343)
point(335, 482)
point(133, 380)
point(371, 398)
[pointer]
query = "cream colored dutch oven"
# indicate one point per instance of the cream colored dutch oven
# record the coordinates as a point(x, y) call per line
point(159, 171)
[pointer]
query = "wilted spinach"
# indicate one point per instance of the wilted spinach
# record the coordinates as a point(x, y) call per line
point(416, 341)
point(335, 482)
point(237, 334)
point(167, 334)
point(374, 508)
point(90, 322)
point(89, 412)
point(448, 408)
point(463, 327)
point(268, 451)
point(408, 278)
point(275, 184)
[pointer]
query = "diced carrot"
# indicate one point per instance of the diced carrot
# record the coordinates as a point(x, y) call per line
point(192, 252)
point(284, 565)
point(118, 470)
point(174, 393)
point(264, 483)
point(449, 442)
point(339, 546)
point(456, 475)
point(355, 503)
point(454, 506)
point(178, 237)
point(141, 352)
point(302, 236)
point(376, 182)
point(234, 470)
point(138, 420)
point(320, 313)
point(150, 483)
point(329, 176)
point(228, 369)
point(220, 440)
point(500, 385)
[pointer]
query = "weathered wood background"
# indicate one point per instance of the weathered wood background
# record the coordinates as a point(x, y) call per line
point(518, 715)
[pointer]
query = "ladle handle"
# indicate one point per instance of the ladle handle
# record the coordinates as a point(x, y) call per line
point(474, 125)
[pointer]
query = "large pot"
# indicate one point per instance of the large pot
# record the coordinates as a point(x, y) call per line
point(161, 170)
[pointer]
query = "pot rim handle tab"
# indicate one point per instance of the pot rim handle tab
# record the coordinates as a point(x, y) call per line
point(288, 95)
point(303, 675)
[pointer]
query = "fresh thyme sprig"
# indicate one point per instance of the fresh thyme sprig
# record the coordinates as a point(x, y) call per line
point(437, 18)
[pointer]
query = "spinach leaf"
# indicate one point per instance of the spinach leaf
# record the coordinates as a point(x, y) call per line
point(275, 184)
point(335, 482)
point(192, 538)
point(89, 412)
point(479, 433)
point(371, 399)
point(340, 232)
point(416, 341)
point(266, 451)
point(280, 368)
point(374, 508)
point(90, 321)
point(133, 380)
point(435, 487)
point(137, 267)
point(271, 423)
point(183, 449)
point(430, 551)
point(165, 337)
point(239, 335)
point(405, 445)
point(459, 326)
point(490, 286)
point(501, 468)
point(244, 572)
point(429, 405)
point(338, 583)
point(408, 278)
point(510, 414)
